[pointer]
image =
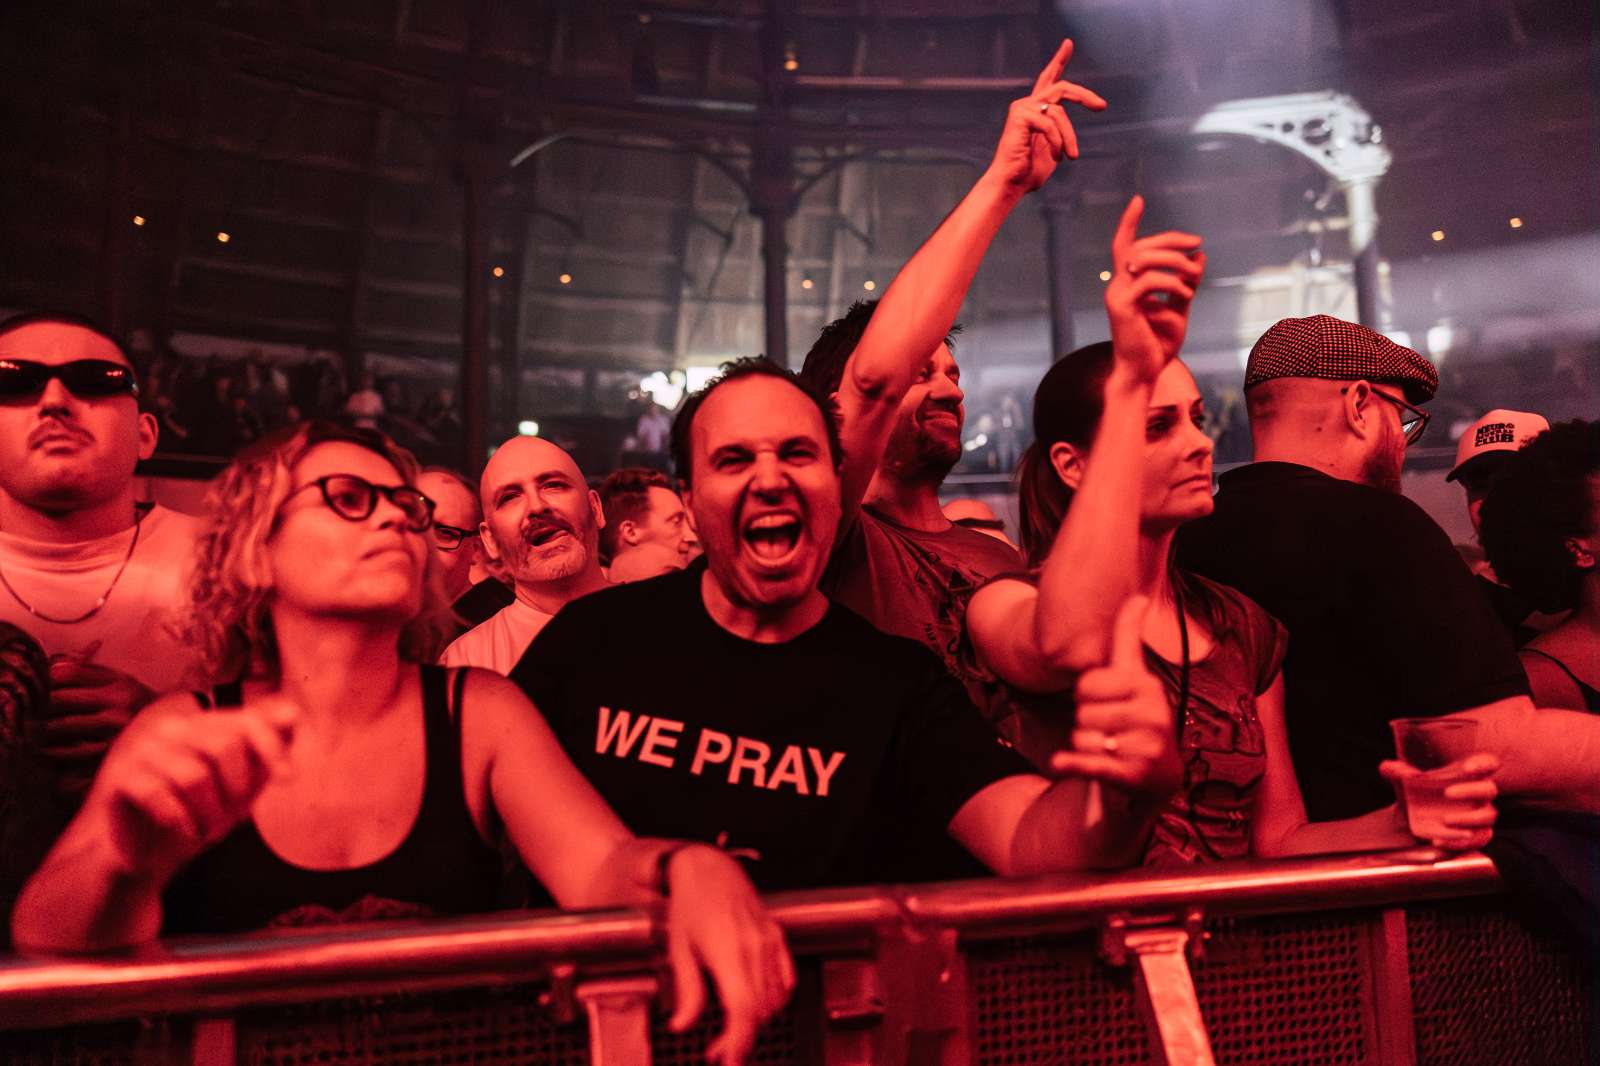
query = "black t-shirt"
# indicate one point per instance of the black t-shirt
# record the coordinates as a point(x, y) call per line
point(819, 755)
point(1385, 620)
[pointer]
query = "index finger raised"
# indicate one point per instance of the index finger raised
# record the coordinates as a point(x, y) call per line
point(1052, 70)
point(1127, 228)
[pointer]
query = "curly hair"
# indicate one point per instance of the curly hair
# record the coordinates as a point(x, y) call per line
point(1541, 499)
point(229, 621)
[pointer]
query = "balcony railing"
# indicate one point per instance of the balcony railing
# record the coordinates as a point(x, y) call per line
point(1403, 957)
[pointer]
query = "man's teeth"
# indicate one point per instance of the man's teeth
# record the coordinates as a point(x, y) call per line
point(771, 521)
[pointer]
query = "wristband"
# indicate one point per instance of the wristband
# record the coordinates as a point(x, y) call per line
point(664, 857)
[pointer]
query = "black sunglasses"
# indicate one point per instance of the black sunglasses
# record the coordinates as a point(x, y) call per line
point(449, 538)
point(84, 378)
point(356, 498)
point(1413, 420)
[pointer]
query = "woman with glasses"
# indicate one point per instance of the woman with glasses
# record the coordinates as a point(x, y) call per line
point(330, 776)
point(1119, 462)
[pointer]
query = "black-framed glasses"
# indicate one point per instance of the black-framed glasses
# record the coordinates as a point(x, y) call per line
point(355, 499)
point(449, 538)
point(84, 378)
point(1413, 420)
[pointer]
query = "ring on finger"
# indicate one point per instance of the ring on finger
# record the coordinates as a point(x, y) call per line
point(1044, 108)
point(1109, 745)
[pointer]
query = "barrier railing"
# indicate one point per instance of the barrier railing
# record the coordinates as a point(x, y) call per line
point(1399, 957)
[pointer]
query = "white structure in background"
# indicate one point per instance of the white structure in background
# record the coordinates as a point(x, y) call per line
point(1336, 133)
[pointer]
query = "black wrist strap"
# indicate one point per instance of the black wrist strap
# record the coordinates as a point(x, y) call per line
point(664, 857)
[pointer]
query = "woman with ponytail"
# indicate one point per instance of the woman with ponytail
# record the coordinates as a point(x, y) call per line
point(1119, 462)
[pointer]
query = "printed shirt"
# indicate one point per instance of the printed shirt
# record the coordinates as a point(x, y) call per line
point(817, 757)
point(1220, 738)
point(915, 584)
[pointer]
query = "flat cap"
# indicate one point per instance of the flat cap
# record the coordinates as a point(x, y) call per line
point(1322, 346)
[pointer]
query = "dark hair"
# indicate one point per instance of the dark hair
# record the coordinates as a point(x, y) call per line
point(1066, 408)
point(824, 364)
point(1538, 501)
point(66, 318)
point(749, 367)
point(625, 497)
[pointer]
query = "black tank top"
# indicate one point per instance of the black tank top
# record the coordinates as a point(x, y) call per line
point(443, 866)
point(1591, 695)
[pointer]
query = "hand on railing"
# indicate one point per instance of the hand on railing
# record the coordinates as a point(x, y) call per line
point(1451, 807)
point(716, 920)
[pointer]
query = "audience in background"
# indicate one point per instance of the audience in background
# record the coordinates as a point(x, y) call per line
point(1481, 454)
point(646, 532)
point(95, 579)
point(456, 518)
point(1541, 528)
point(541, 525)
point(32, 812)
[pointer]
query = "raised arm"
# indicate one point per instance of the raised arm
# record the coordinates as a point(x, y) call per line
point(586, 857)
point(1039, 639)
point(920, 306)
point(174, 783)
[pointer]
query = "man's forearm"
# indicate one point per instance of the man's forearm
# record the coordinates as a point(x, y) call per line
point(920, 306)
point(79, 900)
point(1078, 824)
point(1548, 758)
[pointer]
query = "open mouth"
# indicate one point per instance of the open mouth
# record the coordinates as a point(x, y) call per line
point(543, 536)
point(773, 538)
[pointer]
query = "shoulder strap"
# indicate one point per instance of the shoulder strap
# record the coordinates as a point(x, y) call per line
point(1559, 665)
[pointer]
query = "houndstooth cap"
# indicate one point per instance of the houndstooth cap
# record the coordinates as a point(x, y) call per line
point(1322, 346)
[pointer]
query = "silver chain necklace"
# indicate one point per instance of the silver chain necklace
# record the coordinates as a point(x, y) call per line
point(101, 602)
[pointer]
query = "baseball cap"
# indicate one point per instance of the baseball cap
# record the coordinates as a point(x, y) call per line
point(1498, 431)
point(1322, 346)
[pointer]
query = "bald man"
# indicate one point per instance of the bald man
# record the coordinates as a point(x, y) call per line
point(541, 524)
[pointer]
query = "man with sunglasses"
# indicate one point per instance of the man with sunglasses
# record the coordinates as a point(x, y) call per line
point(96, 582)
point(1384, 618)
point(541, 525)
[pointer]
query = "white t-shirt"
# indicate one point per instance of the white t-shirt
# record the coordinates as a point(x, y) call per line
point(497, 644)
point(135, 631)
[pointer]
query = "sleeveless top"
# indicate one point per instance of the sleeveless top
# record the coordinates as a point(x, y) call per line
point(443, 866)
point(1591, 695)
point(1220, 738)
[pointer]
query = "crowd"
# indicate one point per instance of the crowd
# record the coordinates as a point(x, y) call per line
point(354, 684)
point(215, 406)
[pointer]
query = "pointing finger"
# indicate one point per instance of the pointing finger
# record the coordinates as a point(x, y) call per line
point(1052, 70)
point(1127, 228)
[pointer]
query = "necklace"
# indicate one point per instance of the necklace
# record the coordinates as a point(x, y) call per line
point(101, 602)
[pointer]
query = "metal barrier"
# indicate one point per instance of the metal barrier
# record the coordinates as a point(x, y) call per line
point(1401, 958)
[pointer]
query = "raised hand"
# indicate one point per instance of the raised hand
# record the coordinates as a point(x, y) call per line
point(1465, 815)
point(1037, 132)
point(1152, 283)
point(173, 787)
point(1124, 733)
point(716, 920)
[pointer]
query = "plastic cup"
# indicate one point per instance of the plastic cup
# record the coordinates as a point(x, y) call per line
point(1435, 746)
